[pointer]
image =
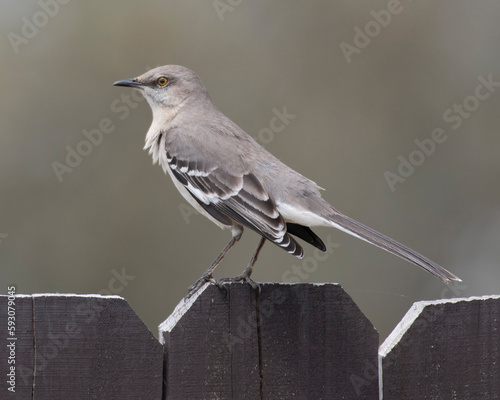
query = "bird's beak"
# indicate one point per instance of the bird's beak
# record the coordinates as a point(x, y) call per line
point(128, 82)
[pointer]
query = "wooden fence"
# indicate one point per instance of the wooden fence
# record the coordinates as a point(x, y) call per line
point(288, 341)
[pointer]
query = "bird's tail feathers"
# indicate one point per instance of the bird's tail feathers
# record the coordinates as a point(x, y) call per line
point(355, 228)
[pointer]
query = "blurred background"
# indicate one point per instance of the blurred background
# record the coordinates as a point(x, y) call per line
point(367, 83)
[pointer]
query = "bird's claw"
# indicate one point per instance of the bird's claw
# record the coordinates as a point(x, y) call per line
point(200, 282)
point(241, 278)
point(220, 282)
point(245, 278)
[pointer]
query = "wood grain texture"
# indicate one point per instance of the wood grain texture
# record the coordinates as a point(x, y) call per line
point(446, 349)
point(286, 341)
point(300, 341)
point(89, 347)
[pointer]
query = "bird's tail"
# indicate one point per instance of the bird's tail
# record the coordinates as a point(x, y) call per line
point(355, 228)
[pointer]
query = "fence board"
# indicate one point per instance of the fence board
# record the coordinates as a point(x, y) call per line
point(444, 349)
point(87, 347)
point(299, 341)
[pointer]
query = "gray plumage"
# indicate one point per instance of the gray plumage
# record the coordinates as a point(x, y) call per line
point(228, 177)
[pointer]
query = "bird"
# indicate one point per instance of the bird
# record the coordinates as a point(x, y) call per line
point(236, 183)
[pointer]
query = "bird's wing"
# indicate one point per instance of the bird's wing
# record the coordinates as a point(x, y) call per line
point(233, 196)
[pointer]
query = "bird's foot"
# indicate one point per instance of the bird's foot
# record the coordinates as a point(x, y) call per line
point(241, 278)
point(200, 282)
point(246, 278)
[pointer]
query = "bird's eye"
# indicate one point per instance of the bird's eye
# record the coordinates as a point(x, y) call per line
point(162, 81)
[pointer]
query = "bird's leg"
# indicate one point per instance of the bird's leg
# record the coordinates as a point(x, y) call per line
point(245, 276)
point(207, 276)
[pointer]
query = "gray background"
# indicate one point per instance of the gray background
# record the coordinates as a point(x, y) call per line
point(116, 211)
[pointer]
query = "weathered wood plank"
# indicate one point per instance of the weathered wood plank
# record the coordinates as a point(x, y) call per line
point(444, 349)
point(203, 359)
point(299, 341)
point(91, 347)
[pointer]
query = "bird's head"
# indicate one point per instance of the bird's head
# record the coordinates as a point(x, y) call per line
point(167, 87)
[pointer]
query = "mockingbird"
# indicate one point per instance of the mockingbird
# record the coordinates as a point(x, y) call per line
point(233, 181)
